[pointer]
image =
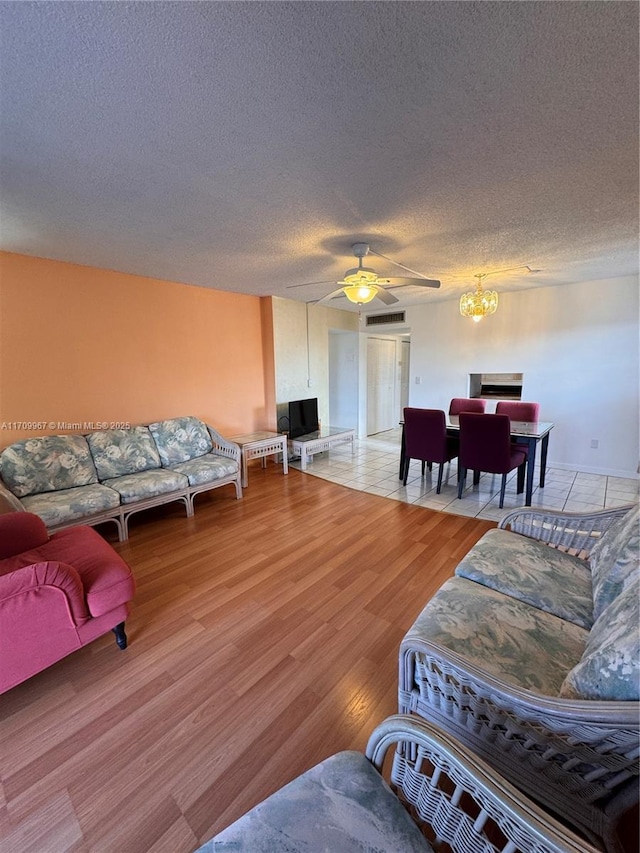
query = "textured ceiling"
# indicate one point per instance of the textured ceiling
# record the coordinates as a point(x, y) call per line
point(246, 146)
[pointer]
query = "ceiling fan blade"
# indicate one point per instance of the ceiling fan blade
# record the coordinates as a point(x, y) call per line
point(309, 283)
point(386, 297)
point(333, 295)
point(414, 282)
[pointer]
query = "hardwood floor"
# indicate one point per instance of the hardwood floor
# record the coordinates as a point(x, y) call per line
point(263, 637)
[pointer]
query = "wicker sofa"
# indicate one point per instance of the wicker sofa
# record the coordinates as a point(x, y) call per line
point(443, 798)
point(108, 475)
point(530, 656)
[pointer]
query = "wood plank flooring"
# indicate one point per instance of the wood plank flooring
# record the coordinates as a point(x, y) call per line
point(264, 637)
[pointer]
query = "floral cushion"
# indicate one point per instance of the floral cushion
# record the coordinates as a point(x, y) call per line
point(147, 484)
point(123, 451)
point(47, 464)
point(206, 469)
point(501, 635)
point(70, 504)
point(181, 439)
point(614, 559)
point(610, 666)
point(532, 572)
point(342, 805)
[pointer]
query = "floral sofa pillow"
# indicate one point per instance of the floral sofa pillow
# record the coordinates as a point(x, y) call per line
point(118, 452)
point(610, 665)
point(181, 439)
point(614, 560)
point(47, 464)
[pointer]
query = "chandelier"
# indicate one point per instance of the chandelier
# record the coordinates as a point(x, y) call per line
point(480, 303)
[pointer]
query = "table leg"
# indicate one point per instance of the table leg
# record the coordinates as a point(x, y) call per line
point(285, 458)
point(245, 475)
point(530, 466)
point(543, 459)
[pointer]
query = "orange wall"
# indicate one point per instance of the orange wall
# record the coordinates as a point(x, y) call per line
point(80, 344)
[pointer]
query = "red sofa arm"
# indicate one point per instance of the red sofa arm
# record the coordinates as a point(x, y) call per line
point(39, 586)
point(21, 531)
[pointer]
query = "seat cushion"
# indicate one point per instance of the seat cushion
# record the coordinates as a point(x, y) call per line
point(47, 464)
point(207, 469)
point(532, 572)
point(614, 559)
point(147, 484)
point(106, 578)
point(500, 635)
point(610, 665)
point(71, 504)
point(117, 452)
point(181, 439)
point(342, 804)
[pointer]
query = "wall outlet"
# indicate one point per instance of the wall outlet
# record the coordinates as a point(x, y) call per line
point(594, 443)
point(418, 380)
point(309, 383)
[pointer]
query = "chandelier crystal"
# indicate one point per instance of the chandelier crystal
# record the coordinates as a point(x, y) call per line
point(480, 303)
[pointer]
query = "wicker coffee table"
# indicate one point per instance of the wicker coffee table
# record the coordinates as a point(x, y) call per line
point(305, 446)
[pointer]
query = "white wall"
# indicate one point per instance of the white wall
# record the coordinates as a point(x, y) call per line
point(301, 351)
point(577, 346)
point(343, 379)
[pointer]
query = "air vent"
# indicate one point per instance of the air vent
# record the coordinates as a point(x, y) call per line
point(383, 319)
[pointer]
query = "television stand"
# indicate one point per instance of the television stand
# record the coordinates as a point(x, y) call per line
point(305, 446)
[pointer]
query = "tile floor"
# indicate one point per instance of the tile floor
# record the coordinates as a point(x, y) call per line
point(374, 468)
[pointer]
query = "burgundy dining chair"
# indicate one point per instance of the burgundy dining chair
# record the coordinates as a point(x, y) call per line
point(465, 404)
point(425, 438)
point(519, 411)
point(485, 445)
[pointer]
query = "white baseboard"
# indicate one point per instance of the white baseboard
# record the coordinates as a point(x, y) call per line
point(587, 469)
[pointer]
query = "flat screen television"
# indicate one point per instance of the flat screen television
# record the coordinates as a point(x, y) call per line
point(303, 417)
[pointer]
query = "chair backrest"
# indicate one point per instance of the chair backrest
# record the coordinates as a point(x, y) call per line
point(519, 411)
point(425, 434)
point(464, 404)
point(485, 442)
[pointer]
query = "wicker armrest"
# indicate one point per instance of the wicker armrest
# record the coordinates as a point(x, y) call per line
point(436, 776)
point(464, 678)
point(8, 501)
point(224, 447)
point(567, 530)
point(578, 757)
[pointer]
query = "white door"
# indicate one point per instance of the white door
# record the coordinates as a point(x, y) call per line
point(381, 385)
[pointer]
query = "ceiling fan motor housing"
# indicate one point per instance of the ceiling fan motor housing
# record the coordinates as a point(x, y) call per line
point(360, 249)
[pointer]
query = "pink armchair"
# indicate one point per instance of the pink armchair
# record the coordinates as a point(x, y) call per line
point(57, 593)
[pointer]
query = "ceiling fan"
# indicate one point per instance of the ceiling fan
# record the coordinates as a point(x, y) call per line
point(362, 284)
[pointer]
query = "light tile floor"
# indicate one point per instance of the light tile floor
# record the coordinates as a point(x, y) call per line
point(375, 464)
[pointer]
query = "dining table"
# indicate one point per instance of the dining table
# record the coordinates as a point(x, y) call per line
point(528, 433)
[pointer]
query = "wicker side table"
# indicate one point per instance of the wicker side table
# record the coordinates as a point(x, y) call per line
point(259, 445)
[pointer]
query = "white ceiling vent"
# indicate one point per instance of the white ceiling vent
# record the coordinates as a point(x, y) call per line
point(384, 319)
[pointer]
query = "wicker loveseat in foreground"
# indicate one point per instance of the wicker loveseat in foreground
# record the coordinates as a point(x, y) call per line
point(110, 474)
point(530, 656)
point(443, 798)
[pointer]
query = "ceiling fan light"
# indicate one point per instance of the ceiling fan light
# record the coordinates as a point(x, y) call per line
point(360, 294)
